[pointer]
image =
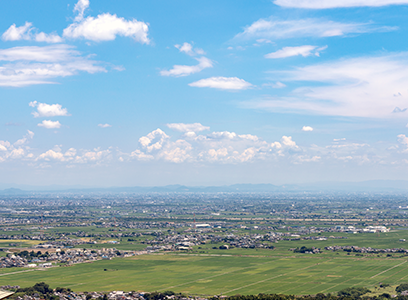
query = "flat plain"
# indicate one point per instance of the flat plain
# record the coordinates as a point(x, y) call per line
point(208, 271)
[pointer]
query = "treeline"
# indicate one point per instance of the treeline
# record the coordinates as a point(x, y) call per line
point(40, 290)
point(353, 293)
point(43, 291)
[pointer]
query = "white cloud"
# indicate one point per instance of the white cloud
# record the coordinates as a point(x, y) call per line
point(307, 128)
point(48, 38)
point(95, 156)
point(322, 4)
point(304, 51)
point(182, 127)
point(28, 32)
point(25, 139)
point(104, 125)
point(357, 87)
point(39, 65)
point(279, 29)
point(187, 48)
point(223, 147)
point(224, 83)
point(51, 155)
point(48, 110)
point(104, 27)
point(71, 156)
point(275, 85)
point(49, 124)
point(154, 140)
point(403, 140)
point(287, 141)
point(180, 70)
point(80, 8)
point(15, 33)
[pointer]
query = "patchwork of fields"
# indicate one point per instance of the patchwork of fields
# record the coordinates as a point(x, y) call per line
point(204, 274)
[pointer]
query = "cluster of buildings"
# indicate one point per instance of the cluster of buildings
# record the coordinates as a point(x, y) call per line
point(114, 295)
point(366, 249)
point(67, 256)
point(12, 261)
point(370, 229)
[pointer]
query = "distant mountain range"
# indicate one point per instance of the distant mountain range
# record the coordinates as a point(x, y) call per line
point(364, 186)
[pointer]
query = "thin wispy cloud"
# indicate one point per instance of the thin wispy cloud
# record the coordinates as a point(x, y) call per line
point(223, 83)
point(182, 70)
point(304, 51)
point(357, 87)
point(274, 28)
point(324, 4)
point(30, 65)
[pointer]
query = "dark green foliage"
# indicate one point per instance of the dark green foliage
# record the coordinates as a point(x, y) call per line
point(354, 292)
point(402, 287)
point(385, 295)
point(43, 288)
point(303, 249)
point(62, 290)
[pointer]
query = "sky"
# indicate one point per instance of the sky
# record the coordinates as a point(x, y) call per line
point(149, 93)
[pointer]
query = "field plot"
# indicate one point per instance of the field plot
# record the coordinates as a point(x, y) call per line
point(220, 274)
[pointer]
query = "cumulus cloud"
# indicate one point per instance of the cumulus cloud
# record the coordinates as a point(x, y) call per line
point(73, 156)
point(304, 51)
point(223, 83)
point(50, 124)
point(28, 32)
point(30, 65)
point(17, 150)
point(357, 87)
point(154, 140)
point(403, 140)
point(181, 70)
point(104, 27)
point(218, 146)
point(283, 29)
point(307, 128)
point(182, 127)
point(104, 125)
point(48, 110)
point(322, 4)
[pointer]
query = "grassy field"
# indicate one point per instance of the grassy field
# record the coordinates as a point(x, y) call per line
point(209, 274)
point(208, 271)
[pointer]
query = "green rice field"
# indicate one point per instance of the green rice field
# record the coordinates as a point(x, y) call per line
point(210, 274)
point(209, 271)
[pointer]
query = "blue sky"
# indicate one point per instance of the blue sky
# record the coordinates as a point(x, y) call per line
point(121, 93)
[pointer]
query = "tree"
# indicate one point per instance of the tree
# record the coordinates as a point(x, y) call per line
point(402, 287)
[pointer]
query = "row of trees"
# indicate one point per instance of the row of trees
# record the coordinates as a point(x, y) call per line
point(354, 293)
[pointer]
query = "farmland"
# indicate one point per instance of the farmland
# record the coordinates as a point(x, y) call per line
point(221, 274)
point(198, 245)
point(207, 271)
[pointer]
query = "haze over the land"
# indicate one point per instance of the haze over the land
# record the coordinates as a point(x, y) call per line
point(140, 93)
